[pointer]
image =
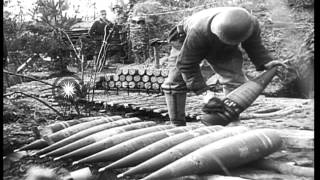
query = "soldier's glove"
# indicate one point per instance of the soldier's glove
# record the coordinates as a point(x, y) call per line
point(282, 70)
point(213, 106)
point(274, 63)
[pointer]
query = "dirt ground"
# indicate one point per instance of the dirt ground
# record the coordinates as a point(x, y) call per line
point(23, 115)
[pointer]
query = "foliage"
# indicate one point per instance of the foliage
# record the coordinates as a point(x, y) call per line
point(43, 34)
point(165, 14)
point(53, 13)
point(284, 26)
point(158, 24)
point(301, 3)
point(304, 65)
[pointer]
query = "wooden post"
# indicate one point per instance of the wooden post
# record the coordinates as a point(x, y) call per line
point(82, 68)
point(156, 57)
point(155, 43)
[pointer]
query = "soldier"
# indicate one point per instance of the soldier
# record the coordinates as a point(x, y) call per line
point(139, 38)
point(213, 34)
point(120, 36)
point(121, 16)
point(97, 31)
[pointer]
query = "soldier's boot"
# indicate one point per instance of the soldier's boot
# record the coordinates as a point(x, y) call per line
point(176, 102)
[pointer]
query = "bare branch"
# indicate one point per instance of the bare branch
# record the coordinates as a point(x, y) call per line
point(43, 102)
point(15, 74)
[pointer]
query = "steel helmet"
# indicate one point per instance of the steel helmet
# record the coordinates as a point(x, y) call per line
point(116, 6)
point(138, 20)
point(232, 26)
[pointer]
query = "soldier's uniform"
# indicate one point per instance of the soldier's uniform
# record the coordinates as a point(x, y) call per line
point(213, 34)
point(226, 60)
point(97, 32)
point(139, 39)
point(120, 37)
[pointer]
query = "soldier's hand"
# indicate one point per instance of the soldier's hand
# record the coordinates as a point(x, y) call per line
point(283, 72)
point(274, 63)
point(214, 105)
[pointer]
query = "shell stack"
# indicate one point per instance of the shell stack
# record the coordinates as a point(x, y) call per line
point(146, 80)
point(160, 151)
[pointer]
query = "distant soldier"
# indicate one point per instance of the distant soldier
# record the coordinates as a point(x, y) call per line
point(119, 39)
point(121, 16)
point(139, 39)
point(97, 30)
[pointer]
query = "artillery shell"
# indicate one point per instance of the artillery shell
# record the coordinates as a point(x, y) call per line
point(57, 136)
point(125, 71)
point(127, 147)
point(116, 77)
point(160, 79)
point(149, 72)
point(164, 72)
point(133, 71)
point(136, 78)
point(156, 72)
point(225, 154)
point(183, 149)
point(86, 132)
point(140, 85)
point(118, 84)
point(113, 140)
point(37, 144)
point(160, 146)
point(141, 71)
point(155, 86)
point(52, 128)
point(147, 85)
point(240, 99)
point(122, 78)
point(145, 78)
point(129, 78)
point(118, 71)
point(132, 84)
point(111, 84)
point(99, 136)
point(153, 79)
point(124, 84)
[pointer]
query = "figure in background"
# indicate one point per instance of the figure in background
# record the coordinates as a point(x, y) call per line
point(97, 31)
point(121, 15)
point(120, 35)
point(139, 39)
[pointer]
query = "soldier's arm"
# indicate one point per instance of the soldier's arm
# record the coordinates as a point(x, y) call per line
point(109, 24)
point(255, 49)
point(92, 29)
point(192, 53)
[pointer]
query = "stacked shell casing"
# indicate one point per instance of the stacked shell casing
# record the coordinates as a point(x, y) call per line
point(136, 79)
point(157, 150)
